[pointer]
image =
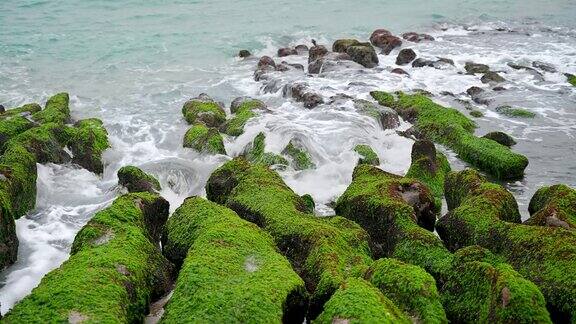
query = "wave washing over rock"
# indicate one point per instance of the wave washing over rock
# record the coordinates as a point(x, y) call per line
point(388, 177)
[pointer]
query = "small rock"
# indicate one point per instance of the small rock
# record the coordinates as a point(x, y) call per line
point(364, 55)
point(282, 52)
point(301, 49)
point(244, 54)
point(546, 67)
point(383, 39)
point(266, 61)
point(399, 71)
point(499, 88)
point(501, 137)
point(316, 52)
point(417, 38)
point(474, 68)
point(420, 62)
point(474, 91)
point(492, 77)
point(2, 109)
point(405, 56)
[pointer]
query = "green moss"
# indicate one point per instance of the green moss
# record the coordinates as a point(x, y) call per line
point(57, 110)
point(553, 206)
point(204, 140)
point(136, 180)
point(409, 287)
point(309, 202)
point(206, 112)
point(341, 45)
point(476, 113)
point(543, 255)
point(324, 251)
point(383, 98)
point(571, 79)
point(256, 153)
point(515, 112)
point(243, 113)
point(11, 127)
point(356, 301)
point(114, 271)
point(19, 111)
point(89, 140)
point(46, 142)
point(300, 157)
point(18, 185)
point(232, 272)
point(449, 127)
point(367, 155)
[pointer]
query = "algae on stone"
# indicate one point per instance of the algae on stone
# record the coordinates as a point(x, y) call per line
point(88, 141)
point(553, 206)
point(255, 153)
point(300, 157)
point(367, 155)
point(57, 110)
point(203, 110)
point(136, 180)
point(204, 140)
point(11, 127)
point(24, 110)
point(243, 111)
point(515, 112)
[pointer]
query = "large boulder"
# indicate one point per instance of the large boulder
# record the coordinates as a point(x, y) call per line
point(553, 206)
point(136, 180)
point(363, 54)
point(57, 110)
point(204, 110)
point(88, 141)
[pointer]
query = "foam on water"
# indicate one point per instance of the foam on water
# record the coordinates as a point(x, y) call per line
point(146, 60)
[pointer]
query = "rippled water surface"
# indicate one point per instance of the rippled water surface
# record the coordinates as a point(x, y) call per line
point(133, 64)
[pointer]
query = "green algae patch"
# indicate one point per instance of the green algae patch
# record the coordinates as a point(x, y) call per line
point(429, 167)
point(57, 110)
point(114, 271)
point(515, 112)
point(571, 79)
point(553, 206)
point(255, 153)
point(544, 255)
point(205, 111)
point(11, 127)
point(45, 142)
point(476, 114)
point(324, 251)
point(367, 155)
point(356, 301)
point(449, 127)
point(204, 140)
point(26, 109)
point(232, 272)
point(136, 180)
point(242, 114)
point(410, 287)
point(300, 157)
point(309, 202)
point(89, 140)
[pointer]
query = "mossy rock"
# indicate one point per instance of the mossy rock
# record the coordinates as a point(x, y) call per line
point(515, 112)
point(45, 142)
point(449, 127)
point(204, 140)
point(341, 45)
point(553, 206)
point(309, 202)
point(204, 110)
point(501, 138)
point(571, 79)
point(113, 273)
point(410, 287)
point(324, 251)
point(255, 153)
point(89, 140)
point(17, 182)
point(300, 157)
point(27, 109)
point(57, 110)
point(543, 255)
point(12, 126)
point(476, 114)
point(357, 301)
point(367, 155)
point(430, 167)
point(232, 272)
point(136, 180)
point(386, 117)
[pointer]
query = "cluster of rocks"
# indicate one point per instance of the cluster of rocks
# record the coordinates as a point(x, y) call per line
point(30, 135)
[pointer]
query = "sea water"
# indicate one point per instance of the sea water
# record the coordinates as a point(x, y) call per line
point(134, 63)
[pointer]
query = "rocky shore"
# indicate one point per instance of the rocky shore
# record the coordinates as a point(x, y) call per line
point(255, 251)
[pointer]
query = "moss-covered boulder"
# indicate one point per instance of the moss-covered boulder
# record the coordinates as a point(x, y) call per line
point(298, 155)
point(255, 153)
point(367, 155)
point(430, 167)
point(113, 273)
point(386, 117)
point(514, 112)
point(553, 206)
point(88, 141)
point(363, 54)
point(12, 126)
point(501, 138)
point(386, 206)
point(204, 140)
point(136, 180)
point(45, 142)
point(204, 110)
point(57, 110)
point(356, 301)
point(449, 127)
point(342, 45)
point(243, 109)
point(571, 79)
point(232, 272)
point(543, 255)
point(25, 110)
point(410, 287)
point(324, 251)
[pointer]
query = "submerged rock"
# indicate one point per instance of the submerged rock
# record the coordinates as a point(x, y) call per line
point(405, 56)
point(546, 67)
point(514, 112)
point(492, 77)
point(399, 71)
point(231, 270)
point(300, 157)
point(386, 117)
point(136, 180)
point(244, 54)
point(299, 91)
point(501, 138)
point(256, 153)
point(476, 68)
point(282, 52)
point(553, 206)
point(417, 38)
point(244, 109)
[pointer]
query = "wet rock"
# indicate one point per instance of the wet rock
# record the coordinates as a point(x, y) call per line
point(476, 114)
point(405, 56)
point(301, 49)
point(443, 62)
point(299, 91)
point(2, 109)
point(287, 51)
point(386, 117)
point(420, 62)
point(244, 54)
point(204, 139)
point(363, 55)
point(475, 68)
point(316, 52)
point(204, 110)
point(242, 274)
point(295, 66)
point(514, 112)
point(546, 67)
point(89, 140)
point(492, 77)
point(411, 133)
point(399, 71)
point(501, 138)
point(417, 38)
point(383, 39)
point(23, 111)
point(282, 67)
point(239, 102)
point(244, 109)
point(571, 78)
point(136, 180)
point(341, 45)
point(266, 61)
point(367, 155)
point(256, 153)
point(499, 88)
point(474, 91)
point(297, 152)
point(553, 206)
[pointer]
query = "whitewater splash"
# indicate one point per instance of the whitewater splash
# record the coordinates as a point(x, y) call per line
point(148, 131)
